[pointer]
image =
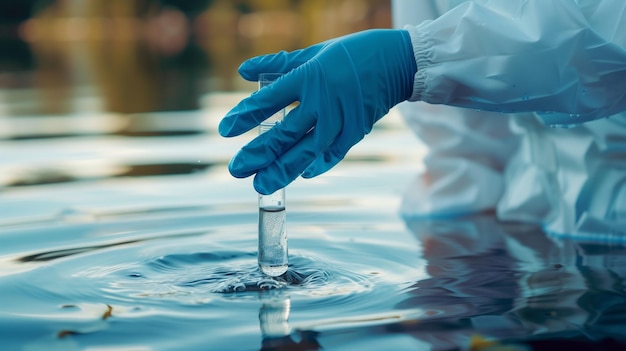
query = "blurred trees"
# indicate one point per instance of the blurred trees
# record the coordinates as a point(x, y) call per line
point(155, 55)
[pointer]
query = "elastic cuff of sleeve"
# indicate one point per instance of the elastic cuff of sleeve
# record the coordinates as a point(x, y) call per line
point(421, 49)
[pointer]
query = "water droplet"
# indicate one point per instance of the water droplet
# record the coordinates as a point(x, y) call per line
point(584, 92)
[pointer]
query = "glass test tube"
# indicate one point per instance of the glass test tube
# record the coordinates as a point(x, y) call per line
point(272, 255)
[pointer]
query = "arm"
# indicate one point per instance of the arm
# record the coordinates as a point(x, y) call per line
point(508, 56)
point(525, 56)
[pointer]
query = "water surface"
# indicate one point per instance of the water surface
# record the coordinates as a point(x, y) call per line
point(146, 243)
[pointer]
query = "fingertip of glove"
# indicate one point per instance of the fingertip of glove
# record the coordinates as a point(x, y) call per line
point(248, 69)
point(316, 168)
point(228, 126)
point(237, 168)
point(262, 188)
point(311, 172)
point(225, 127)
point(307, 174)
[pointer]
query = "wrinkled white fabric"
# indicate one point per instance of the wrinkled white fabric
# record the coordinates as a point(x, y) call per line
point(560, 62)
point(467, 154)
point(531, 55)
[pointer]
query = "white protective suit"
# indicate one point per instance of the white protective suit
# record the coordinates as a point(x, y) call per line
point(565, 170)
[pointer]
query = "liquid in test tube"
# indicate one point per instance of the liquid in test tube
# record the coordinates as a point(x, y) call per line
point(272, 256)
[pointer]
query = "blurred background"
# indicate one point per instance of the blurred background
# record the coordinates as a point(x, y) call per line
point(136, 69)
point(154, 55)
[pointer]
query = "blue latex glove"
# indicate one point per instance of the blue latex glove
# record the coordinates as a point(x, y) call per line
point(343, 87)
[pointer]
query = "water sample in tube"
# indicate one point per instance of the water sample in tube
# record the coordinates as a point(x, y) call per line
point(272, 256)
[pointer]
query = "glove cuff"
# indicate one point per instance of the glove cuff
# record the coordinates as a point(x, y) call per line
point(420, 49)
point(411, 68)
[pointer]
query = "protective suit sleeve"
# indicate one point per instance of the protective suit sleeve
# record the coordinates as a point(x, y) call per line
point(551, 57)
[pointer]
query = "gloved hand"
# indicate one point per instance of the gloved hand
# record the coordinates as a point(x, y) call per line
point(343, 87)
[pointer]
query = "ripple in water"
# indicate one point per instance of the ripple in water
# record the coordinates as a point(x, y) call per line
point(236, 272)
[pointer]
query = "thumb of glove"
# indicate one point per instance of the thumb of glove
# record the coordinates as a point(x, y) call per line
point(280, 62)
